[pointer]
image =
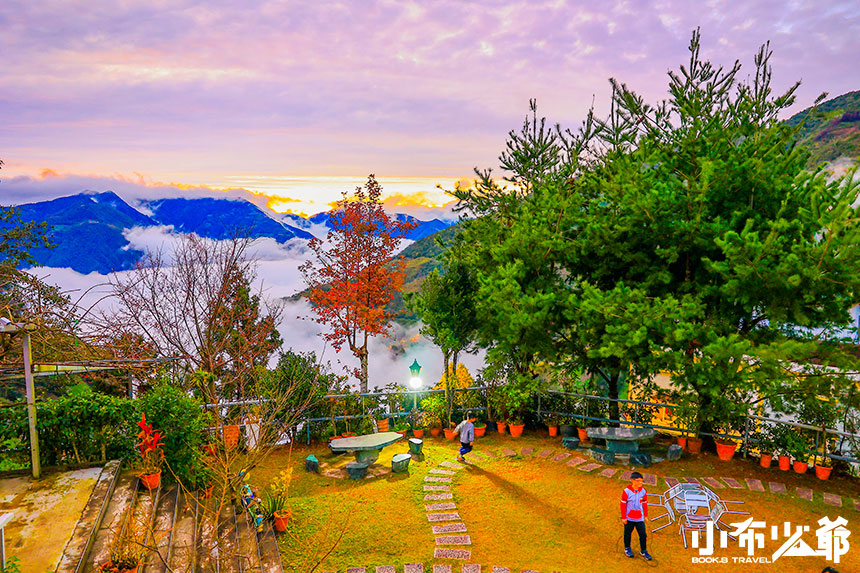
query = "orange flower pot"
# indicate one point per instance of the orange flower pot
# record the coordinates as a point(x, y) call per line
point(282, 519)
point(231, 436)
point(682, 441)
point(822, 472)
point(449, 434)
point(480, 431)
point(765, 460)
point(553, 431)
point(694, 445)
point(517, 430)
point(726, 450)
point(435, 432)
point(348, 435)
point(784, 463)
point(418, 433)
point(583, 434)
point(151, 481)
point(500, 427)
point(382, 425)
point(800, 467)
point(401, 432)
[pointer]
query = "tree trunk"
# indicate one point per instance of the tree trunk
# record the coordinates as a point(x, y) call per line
point(363, 378)
point(446, 384)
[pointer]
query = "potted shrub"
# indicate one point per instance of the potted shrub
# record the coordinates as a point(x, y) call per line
point(552, 420)
point(798, 447)
point(151, 454)
point(687, 420)
point(401, 427)
point(275, 502)
point(823, 467)
point(480, 429)
point(766, 445)
point(514, 399)
point(435, 410)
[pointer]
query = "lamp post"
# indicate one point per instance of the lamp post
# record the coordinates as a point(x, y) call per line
point(415, 382)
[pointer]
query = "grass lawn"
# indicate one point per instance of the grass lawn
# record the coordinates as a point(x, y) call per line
point(528, 512)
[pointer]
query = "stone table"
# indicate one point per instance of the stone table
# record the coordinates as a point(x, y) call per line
point(621, 440)
point(366, 448)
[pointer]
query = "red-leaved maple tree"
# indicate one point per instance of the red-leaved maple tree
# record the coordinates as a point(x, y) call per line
point(355, 276)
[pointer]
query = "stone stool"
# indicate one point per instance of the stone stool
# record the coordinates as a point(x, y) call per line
point(400, 463)
point(674, 452)
point(356, 470)
point(603, 456)
point(570, 443)
point(312, 464)
point(642, 459)
point(415, 445)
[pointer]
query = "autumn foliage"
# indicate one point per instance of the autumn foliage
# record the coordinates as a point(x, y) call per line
point(355, 276)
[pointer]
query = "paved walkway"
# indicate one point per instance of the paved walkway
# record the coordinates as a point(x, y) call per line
point(451, 534)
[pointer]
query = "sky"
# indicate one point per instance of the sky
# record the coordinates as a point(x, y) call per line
point(295, 102)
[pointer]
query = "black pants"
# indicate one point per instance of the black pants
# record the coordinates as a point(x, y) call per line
point(640, 529)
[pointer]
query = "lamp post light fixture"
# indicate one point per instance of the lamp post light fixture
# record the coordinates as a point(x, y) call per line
point(415, 381)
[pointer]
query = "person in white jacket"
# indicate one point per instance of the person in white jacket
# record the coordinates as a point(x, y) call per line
point(466, 429)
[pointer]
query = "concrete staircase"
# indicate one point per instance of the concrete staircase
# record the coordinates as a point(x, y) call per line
point(186, 534)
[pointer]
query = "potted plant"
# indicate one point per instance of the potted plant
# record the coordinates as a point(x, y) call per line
point(823, 467)
point(552, 420)
point(401, 427)
point(766, 445)
point(127, 550)
point(798, 447)
point(687, 418)
point(514, 398)
point(480, 429)
point(733, 421)
point(151, 454)
point(275, 502)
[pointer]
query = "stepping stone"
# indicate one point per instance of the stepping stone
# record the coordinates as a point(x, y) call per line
point(451, 465)
point(438, 496)
point(590, 467)
point(575, 462)
point(691, 480)
point(437, 488)
point(443, 517)
point(530, 571)
point(671, 481)
point(777, 487)
point(488, 453)
point(625, 475)
point(449, 528)
point(570, 443)
point(441, 569)
point(527, 451)
point(437, 479)
point(544, 453)
point(442, 472)
point(386, 569)
point(453, 540)
point(561, 456)
point(804, 493)
point(649, 479)
point(414, 568)
point(754, 484)
point(508, 452)
point(713, 483)
point(477, 455)
point(355, 570)
point(674, 453)
point(471, 568)
point(501, 570)
point(440, 506)
point(733, 483)
point(832, 499)
point(609, 472)
point(451, 554)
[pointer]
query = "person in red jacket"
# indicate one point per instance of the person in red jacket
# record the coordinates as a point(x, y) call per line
point(634, 514)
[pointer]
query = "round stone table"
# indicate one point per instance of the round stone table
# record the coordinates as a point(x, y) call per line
point(366, 448)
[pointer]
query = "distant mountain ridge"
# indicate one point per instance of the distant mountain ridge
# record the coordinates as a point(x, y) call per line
point(832, 131)
point(89, 229)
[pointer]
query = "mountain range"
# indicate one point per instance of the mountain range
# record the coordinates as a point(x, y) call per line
point(89, 229)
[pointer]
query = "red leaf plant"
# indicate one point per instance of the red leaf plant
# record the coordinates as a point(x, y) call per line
point(151, 454)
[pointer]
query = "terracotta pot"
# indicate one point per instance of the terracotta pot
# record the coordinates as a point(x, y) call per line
point(553, 431)
point(682, 441)
point(382, 425)
point(765, 460)
point(694, 445)
point(583, 434)
point(206, 492)
point(517, 430)
point(435, 432)
point(151, 481)
point(800, 467)
point(418, 433)
point(282, 519)
point(822, 472)
point(480, 431)
point(726, 450)
point(401, 432)
point(500, 427)
point(348, 435)
point(231, 436)
point(449, 434)
point(784, 463)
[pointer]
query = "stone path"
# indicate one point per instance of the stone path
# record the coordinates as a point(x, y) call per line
point(451, 534)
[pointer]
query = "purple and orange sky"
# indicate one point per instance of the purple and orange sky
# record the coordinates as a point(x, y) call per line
point(301, 100)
